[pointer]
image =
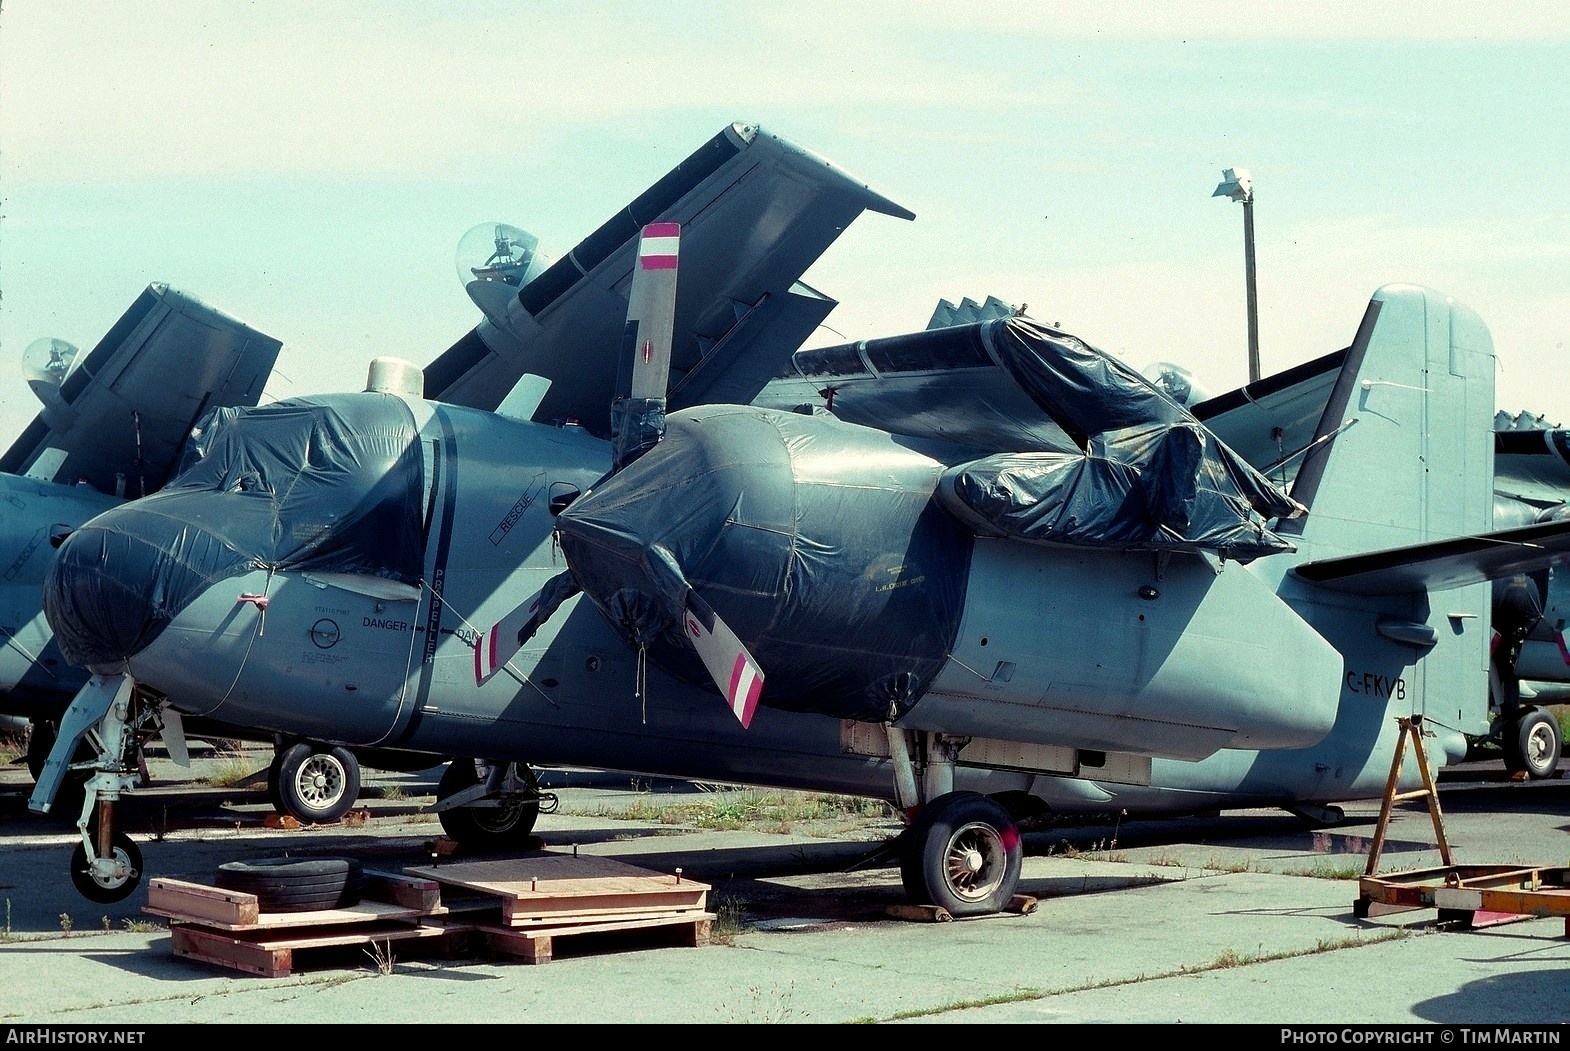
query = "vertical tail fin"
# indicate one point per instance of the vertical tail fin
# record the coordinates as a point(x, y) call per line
point(1402, 462)
point(1404, 450)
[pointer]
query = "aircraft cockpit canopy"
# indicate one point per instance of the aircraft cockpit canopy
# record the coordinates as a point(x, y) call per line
point(327, 484)
point(1175, 382)
point(335, 482)
point(46, 361)
point(502, 253)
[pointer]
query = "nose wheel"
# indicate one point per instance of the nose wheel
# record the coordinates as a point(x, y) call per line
point(111, 876)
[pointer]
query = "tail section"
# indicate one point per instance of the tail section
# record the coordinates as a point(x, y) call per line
point(1403, 453)
point(1398, 481)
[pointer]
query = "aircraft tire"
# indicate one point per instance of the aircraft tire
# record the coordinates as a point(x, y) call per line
point(295, 884)
point(485, 828)
point(113, 889)
point(1533, 744)
point(316, 784)
point(963, 853)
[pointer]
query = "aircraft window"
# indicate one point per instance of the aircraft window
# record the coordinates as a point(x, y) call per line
point(333, 483)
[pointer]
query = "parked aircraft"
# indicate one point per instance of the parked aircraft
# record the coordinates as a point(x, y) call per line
point(1086, 585)
point(112, 428)
point(1531, 662)
point(759, 209)
point(970, 614)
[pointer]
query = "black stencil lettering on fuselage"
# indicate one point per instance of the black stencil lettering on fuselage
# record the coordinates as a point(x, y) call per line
point(1382, 687)
point(517, 511)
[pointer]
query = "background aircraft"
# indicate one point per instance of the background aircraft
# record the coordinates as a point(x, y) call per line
point(112, 428)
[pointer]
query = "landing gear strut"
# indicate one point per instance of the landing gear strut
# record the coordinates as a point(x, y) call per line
point(962, 851)
point(490, 806)
point(113, 719)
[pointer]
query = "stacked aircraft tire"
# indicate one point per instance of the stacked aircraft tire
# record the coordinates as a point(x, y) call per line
point(296, 884)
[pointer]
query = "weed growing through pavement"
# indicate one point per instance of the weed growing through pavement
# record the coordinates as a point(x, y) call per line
point(728, 920)
point(381, 955)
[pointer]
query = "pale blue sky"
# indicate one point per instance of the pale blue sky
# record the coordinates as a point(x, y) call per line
point(310, 167)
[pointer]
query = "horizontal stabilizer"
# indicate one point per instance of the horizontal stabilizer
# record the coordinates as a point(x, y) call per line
point(1444, 564)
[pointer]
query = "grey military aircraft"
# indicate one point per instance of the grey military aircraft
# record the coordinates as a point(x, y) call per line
point(759, 211)
point(111, 428)
point(1531, 663)
point(973, 601)
point(756, 211)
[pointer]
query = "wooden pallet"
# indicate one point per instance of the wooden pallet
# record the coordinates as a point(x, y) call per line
point(586, 899)
point(552, 888)
point(520, 907)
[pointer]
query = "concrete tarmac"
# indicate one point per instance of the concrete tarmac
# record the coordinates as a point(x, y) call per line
point(1249, 917)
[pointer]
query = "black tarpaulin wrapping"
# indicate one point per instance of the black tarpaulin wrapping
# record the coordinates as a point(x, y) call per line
point(1150, 475)
point(816, 541)
point(331, 483)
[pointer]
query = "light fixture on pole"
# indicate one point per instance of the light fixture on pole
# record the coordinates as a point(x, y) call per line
point(1236, 184)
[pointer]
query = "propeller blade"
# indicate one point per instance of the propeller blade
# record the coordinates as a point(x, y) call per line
point(638, 410)
point(496, 644)
point(734, 670)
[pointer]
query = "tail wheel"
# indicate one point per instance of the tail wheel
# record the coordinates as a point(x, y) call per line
point(963, 853)
point(504, 827)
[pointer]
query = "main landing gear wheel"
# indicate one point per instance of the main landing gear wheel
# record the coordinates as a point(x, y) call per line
point(1532, 744)
point(505, 827)
point(314, 783)
point(114, 878)
point(962, 853)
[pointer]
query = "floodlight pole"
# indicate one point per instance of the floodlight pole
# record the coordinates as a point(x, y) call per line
point(1237, 185)
point(1253, 300)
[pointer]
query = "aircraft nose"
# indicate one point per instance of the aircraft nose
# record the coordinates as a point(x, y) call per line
point(118, 581)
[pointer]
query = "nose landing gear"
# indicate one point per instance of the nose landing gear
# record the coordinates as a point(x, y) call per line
point(113, 719)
